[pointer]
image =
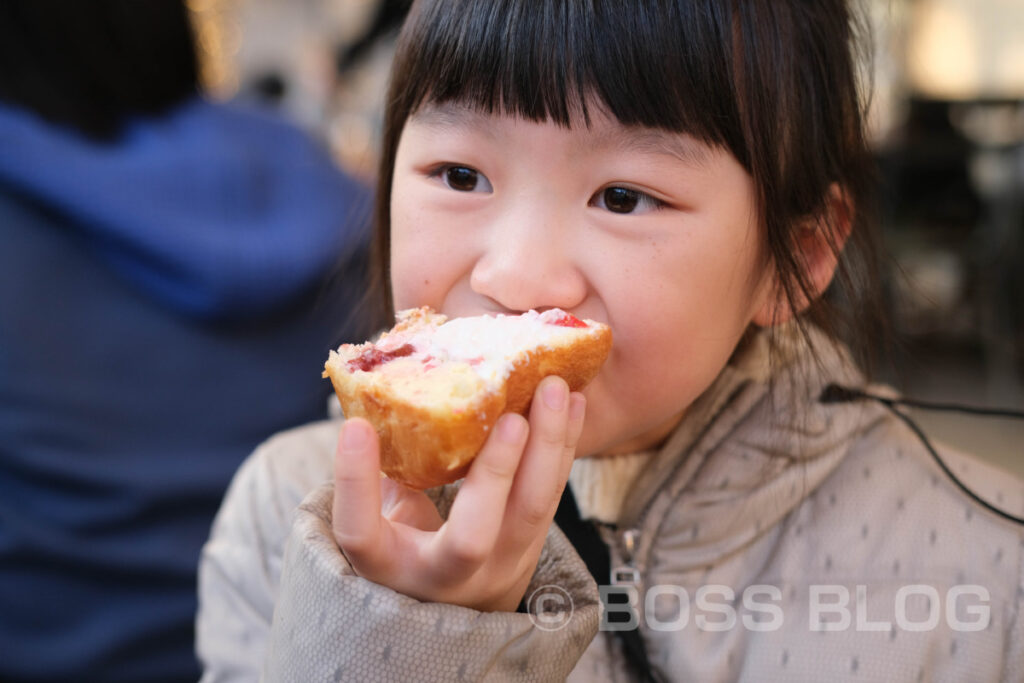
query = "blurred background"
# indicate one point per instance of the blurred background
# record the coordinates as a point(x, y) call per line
point(948, 126)
point(122, 235)
point(947, 119)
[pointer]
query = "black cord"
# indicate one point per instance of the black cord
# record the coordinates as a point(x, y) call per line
point(835, 393)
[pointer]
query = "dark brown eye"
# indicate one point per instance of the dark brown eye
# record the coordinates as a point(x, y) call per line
point(461, 178)
point(621, 199)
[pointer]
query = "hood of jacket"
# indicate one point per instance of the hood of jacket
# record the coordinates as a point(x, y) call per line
point(217, 210)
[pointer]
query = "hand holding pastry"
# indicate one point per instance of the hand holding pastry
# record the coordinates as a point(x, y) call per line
point(484, 554)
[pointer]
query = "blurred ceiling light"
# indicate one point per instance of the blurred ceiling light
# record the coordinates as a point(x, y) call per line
point(966, 49)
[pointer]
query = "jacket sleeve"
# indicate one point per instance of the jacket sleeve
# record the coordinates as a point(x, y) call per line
point(330, 624)
point(236, 587)
point(240, 565)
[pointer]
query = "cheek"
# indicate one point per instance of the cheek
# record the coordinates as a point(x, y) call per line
point(418, 276)
point(658, 362)
point(677, 321)
point(412, 289)
point(412, 279)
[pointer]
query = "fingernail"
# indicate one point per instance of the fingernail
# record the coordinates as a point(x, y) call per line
point(554, 395)
point(353, 436)
point(510, 430)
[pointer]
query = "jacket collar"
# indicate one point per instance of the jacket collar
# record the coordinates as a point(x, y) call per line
point(749, 450)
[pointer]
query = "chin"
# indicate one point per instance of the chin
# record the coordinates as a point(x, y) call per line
point(596, 445)
point(649, 437)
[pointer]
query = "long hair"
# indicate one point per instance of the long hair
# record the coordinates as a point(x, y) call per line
point(774, 82)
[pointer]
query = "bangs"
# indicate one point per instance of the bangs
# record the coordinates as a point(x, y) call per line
point(646, 63)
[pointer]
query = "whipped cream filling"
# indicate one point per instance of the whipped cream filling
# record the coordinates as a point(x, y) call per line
point(487, 343)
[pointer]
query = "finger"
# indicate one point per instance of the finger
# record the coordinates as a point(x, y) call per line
point(357, 520)
point(577, 416)
point(475, 520)
point(533, 498)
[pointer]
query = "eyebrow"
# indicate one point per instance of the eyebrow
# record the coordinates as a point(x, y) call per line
point(681, 146)
point(448, 115)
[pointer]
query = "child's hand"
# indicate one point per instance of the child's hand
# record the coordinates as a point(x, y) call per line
point(485, 553)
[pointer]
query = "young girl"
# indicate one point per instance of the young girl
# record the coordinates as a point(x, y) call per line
point(688, 172)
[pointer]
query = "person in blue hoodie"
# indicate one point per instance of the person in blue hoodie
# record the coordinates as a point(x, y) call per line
point(172, 275)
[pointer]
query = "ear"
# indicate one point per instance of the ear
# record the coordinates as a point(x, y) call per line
point(819, 242)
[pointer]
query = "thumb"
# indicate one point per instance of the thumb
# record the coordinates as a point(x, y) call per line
point(356, 506)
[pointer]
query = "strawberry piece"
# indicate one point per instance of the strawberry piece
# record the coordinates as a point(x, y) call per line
point(373, 357)
point(568, 320)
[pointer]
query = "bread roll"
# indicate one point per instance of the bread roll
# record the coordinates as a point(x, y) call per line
point(433, 388)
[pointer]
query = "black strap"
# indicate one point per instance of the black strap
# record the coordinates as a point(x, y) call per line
point(585, 537)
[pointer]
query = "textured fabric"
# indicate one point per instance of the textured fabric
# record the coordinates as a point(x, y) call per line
point(760, 488)
point(332, 625)
point(122, 421)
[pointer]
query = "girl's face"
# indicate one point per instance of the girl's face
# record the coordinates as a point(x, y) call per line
point(651, 232)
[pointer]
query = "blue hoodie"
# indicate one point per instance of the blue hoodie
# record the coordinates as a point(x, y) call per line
point(216, 209)
point(166, 302)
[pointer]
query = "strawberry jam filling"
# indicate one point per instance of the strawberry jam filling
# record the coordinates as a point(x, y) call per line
point(568, 320)
point(374, 357)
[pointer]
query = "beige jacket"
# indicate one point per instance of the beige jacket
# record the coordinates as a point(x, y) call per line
point(762, 511)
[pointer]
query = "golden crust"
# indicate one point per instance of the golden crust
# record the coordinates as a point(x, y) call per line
point(426, 446)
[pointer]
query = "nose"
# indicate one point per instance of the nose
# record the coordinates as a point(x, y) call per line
point(529, 263)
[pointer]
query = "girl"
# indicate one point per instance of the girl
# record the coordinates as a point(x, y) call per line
point(688, 172)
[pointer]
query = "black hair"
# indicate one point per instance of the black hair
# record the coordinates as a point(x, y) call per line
point(774, 82)
point(88, 64)
point(387, 19)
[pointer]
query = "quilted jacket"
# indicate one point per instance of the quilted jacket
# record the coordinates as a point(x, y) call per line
point(773, 537)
